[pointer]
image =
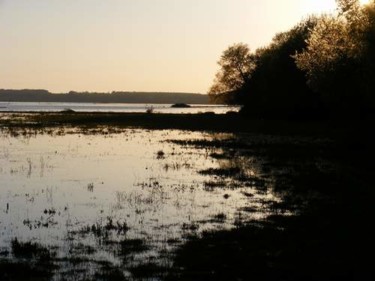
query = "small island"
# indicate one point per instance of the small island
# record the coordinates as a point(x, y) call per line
point(180, 105)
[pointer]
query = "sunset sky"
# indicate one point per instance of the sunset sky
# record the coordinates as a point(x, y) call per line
point(133, 45)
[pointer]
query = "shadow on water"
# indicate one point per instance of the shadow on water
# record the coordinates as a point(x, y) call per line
point(303, 210)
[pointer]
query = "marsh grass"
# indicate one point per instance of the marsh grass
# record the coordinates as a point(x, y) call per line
point(321, 229)
point(318, 231)
point(36, 262)
point(225, 172)
point(131, 246)
point(24, 271)
point(30, 250)
point(100, 229)
point(32, 262)
point(196, 122)
point(160, 154)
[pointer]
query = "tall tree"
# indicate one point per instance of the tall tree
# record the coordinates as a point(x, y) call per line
point(236, 65)
point(339, 60)
point(277, 87)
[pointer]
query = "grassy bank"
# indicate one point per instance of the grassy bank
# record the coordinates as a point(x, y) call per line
point(231, 122)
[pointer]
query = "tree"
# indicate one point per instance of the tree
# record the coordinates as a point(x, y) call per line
point(329, 48)
point(339, 60)
point(236, 64)
point(277, 88)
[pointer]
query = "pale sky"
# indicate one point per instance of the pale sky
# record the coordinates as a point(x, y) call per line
point(133, 45)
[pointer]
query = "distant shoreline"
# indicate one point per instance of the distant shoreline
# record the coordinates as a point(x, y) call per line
point(114, 107)
point(113, 97)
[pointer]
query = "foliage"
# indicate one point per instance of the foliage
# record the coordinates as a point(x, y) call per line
point(338, 60)
point(236, 65)
point(277, 86)
point(324, 66)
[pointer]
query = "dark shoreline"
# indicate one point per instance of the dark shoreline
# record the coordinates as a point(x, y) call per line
point(230, 122)
point(346, 133)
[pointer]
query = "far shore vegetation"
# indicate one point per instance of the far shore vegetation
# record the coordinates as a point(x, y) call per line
point(36, 95)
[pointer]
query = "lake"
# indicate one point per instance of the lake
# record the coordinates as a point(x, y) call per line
point(112, 107)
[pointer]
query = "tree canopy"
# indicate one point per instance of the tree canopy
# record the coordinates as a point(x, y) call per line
point(236, 65)
point(324, 65)
point(339, 60)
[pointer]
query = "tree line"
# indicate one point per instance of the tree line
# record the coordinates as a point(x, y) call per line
point(322, 67)
point(29, 95)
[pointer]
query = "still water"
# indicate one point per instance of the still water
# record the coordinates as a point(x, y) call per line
point(112, 107)
point(55, 186)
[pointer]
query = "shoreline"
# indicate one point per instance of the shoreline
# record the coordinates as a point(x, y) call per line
point(230, 122)
point(343, 131)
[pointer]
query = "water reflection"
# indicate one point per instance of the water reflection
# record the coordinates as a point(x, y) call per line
point(129, 195)
point(114, 107)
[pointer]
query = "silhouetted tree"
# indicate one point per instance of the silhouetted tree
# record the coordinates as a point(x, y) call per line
point(236, 66)
point(339, 58)
point(277, 87)
point(324, 65)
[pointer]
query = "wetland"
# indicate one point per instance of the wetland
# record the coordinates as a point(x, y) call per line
point(106, 200)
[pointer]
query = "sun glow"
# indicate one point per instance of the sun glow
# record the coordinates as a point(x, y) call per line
point(364, 2)
point(318, 6)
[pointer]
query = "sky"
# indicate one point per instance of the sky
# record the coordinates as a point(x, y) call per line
point(133, 45)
